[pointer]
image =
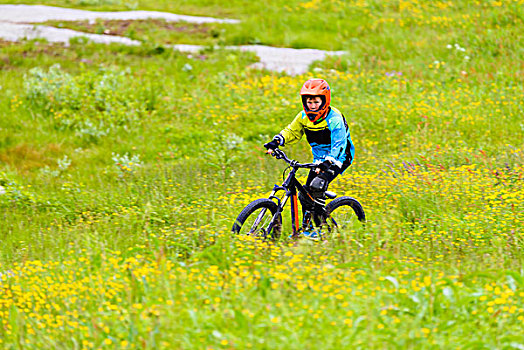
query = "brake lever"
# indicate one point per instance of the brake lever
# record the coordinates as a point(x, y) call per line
point(276, 153)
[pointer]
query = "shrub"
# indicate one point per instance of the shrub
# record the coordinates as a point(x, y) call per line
point(106, 97)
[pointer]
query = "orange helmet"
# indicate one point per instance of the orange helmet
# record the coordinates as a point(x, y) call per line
point(316, 87)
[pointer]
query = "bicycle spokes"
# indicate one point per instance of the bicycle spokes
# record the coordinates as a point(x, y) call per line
point(263, 225)
point(342, 219)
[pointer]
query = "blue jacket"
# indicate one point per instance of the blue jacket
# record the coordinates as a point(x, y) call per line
point(329, 137)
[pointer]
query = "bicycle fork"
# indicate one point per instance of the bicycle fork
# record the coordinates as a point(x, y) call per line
point(280, 206)
point(295, 218)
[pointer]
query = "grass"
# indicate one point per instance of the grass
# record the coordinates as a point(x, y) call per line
point(159, 31)
point(123, 168)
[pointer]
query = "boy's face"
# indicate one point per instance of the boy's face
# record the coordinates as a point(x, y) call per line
point(313, 103)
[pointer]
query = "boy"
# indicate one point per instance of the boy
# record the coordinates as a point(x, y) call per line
point(328, 135)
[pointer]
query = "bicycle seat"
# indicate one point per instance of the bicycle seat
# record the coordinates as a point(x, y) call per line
point(330, 194)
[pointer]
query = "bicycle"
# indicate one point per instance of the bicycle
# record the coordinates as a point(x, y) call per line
point(335, 215)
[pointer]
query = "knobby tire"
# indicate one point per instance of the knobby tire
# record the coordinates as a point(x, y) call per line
point(251, 211)
point(337, 204)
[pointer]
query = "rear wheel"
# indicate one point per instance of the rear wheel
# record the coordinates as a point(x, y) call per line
point(260, 219)
point(342, 212)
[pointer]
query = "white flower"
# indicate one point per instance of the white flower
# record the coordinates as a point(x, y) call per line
point(2, 190)
point(466, 58)
point(449, 46)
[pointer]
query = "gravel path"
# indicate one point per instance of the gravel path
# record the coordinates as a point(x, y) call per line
point(15, 25)
point(40, 13)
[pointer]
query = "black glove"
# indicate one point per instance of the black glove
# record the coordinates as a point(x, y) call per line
point(273, 144)
point(325, 165)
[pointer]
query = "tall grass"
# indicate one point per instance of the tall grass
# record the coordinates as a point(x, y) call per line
point(122, 170)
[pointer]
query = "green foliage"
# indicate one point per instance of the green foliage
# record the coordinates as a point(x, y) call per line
point(126, 164)
point(100, 96)
point(122, 170)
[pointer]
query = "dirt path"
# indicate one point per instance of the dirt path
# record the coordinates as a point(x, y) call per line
point(15, 25)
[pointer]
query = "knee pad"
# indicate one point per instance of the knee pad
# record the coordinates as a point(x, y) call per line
point(319, 184)
point(317, 188)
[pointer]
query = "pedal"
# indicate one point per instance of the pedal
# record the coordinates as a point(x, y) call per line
point(330, 194)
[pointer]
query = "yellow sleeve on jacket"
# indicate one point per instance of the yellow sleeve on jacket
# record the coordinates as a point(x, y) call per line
point(294, 131)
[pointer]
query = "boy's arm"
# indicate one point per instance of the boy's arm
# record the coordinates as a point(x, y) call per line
point(293, 132)
point(339, 141)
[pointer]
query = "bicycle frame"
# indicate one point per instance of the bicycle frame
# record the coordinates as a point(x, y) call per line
point(290, 185)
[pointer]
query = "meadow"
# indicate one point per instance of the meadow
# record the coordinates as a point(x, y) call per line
point(122, 170)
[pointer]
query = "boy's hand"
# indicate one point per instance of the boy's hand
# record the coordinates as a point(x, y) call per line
point(324, 166)
point(271, 146)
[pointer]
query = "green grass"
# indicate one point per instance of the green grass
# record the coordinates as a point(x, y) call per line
point(124, 169)
point(160, 32)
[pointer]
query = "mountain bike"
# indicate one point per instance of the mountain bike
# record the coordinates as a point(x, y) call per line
point(263, 217)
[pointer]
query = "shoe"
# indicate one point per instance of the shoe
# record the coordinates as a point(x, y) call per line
point(294, 235)
point(312, 235)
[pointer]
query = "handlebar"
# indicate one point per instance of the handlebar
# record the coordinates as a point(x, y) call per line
point(279, 154)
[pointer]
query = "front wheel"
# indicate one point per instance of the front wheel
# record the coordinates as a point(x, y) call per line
point(341, 213)
point(259, 218)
